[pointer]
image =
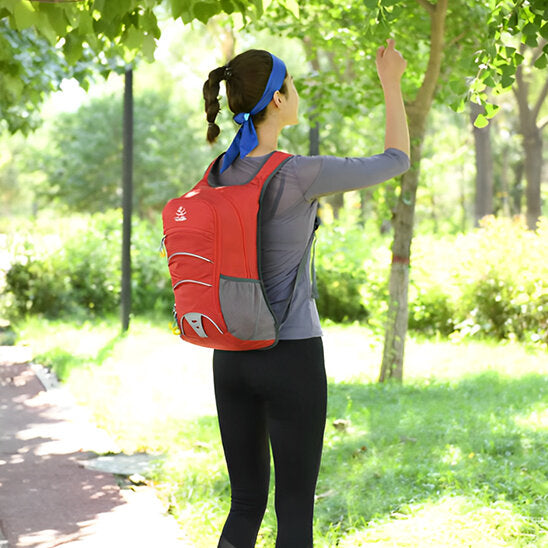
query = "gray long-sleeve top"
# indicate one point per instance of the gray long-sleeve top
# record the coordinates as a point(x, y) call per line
point(289, 210)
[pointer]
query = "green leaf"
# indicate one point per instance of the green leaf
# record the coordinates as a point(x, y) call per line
point(491, 110)
point(481, 121)
point(10, 4)
point(85, 23)
point(506, 81)
point(25, 15)
point(292, 6)
point(227, 6)
point(99, 5)
point(544, 31)
point(258, 6)
point(542, 61)
point(204, 11)
point(56, 17)
point(45, 29)
point(13, 84)
point(531, 40)
point(517, 59)
point(73, 48)
point(116, 9)
point(178, 7)
point(134, 38)
point(488, 80)
point(529, 29)
point(149, 47)
point(149, 23)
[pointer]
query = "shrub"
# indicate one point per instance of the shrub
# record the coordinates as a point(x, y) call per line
point(79, 270)
point(350, 274)
point(490, 282)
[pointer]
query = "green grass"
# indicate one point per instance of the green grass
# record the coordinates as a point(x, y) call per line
point(456, 456)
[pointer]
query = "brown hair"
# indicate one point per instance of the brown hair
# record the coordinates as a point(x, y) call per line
point(246, 78)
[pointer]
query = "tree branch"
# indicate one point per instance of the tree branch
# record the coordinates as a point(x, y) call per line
point(427, 5)
point(542, 122)
point(456, 39)
point(425, 95)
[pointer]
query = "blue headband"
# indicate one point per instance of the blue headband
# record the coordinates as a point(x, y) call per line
point(246, 138)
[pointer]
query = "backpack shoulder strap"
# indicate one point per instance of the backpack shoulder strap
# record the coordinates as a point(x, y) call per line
point(272, 164)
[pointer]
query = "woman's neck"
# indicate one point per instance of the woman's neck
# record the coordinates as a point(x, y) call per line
point(267, 135)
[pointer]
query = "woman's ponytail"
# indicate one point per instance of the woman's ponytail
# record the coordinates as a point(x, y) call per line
point(211, 98)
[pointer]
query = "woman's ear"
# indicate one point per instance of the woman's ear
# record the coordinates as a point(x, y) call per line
point(277, 98)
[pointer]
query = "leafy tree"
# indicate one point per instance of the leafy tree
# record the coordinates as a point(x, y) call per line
point(443, 42)
point(29, 69)
point(82, 162)
point(42, 42)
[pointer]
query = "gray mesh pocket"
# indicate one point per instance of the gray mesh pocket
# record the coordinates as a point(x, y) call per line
point(245, 310)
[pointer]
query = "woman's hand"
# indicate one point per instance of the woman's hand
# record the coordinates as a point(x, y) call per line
point(390, 64)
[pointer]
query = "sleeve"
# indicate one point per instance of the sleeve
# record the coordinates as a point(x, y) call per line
point(343, 174)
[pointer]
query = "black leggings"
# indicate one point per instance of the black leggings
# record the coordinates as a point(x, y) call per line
point(278, 395)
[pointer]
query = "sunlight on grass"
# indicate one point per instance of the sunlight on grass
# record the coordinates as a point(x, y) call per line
point(450, 522)
point(151, 381)
point(536, 420)
point(353, 352)
point(454, 456)
point(79, 341)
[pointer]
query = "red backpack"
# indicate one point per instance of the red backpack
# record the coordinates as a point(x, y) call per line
point(212, 242)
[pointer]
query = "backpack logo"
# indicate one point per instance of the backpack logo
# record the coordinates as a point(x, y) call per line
point(180, 214)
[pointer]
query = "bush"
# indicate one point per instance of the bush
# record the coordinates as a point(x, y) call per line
point(344, 268)
point(490, 282)
point(80, 272)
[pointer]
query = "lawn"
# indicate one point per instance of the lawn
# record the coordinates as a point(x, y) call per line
point(456, 456)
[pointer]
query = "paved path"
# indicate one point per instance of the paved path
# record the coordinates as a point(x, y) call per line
point(47, 498)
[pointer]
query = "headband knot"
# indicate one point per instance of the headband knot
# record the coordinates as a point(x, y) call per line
point(246, 138)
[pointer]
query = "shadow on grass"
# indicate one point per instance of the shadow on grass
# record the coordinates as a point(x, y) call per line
point(479, 437)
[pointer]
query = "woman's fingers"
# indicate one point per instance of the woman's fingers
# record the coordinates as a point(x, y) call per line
point(380, 52)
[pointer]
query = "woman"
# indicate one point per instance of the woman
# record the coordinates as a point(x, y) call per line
point(279, 395)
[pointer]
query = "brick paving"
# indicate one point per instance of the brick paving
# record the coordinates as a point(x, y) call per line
point(47, 498)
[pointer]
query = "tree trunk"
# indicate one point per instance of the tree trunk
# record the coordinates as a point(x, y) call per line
point(517, 188)
point(484, 166)
point(396, 327)
point(532, 145)
point(417, 112)
point(504, 182)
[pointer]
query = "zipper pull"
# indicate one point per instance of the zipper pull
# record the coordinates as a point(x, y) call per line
point(162, 250)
